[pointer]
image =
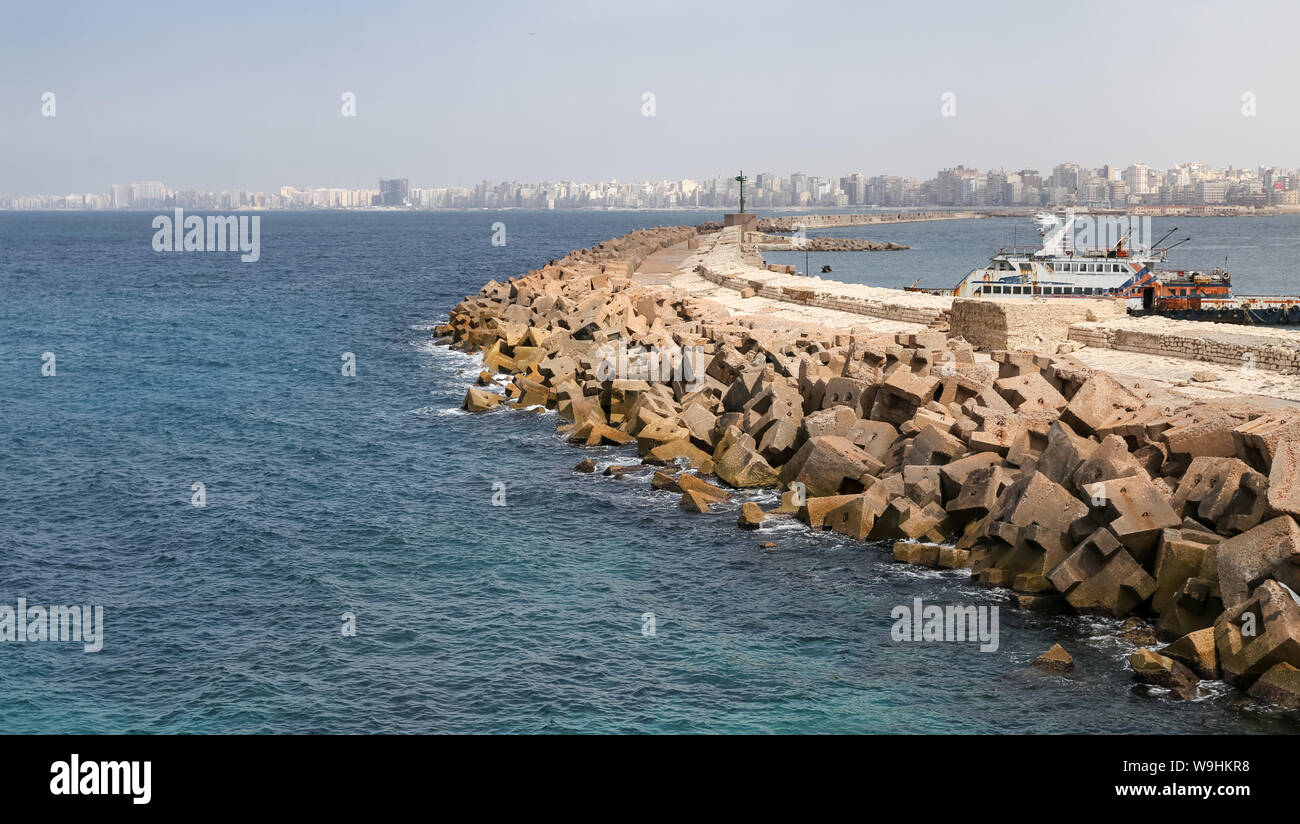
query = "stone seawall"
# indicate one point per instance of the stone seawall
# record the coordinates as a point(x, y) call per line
point(1276, 350)
point(814, 294)
point(788, 224)
point(784, 243)
point(1028, 324)
point(1074, 490)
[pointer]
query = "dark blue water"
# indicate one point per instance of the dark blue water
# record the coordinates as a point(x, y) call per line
point(373, 495)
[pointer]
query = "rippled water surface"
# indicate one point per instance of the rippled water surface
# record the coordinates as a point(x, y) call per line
point(373, 495)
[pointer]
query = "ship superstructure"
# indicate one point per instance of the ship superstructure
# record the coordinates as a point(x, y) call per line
point(1056, 269)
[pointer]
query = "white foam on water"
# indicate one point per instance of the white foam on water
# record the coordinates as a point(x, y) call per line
point(437, 411)
point(783, 525)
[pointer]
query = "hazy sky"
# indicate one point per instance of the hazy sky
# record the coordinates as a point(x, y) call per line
point(248, 95)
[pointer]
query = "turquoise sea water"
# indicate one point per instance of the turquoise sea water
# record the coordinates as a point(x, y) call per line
point(373, 495)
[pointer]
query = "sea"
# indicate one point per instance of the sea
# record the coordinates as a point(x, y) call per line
point(261, 473)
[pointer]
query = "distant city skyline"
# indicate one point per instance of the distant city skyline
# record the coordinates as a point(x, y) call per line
point(1065, 184)
point(331, 94)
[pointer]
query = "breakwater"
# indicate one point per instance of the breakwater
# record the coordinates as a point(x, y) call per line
point(1072, 489)
point(768, 225)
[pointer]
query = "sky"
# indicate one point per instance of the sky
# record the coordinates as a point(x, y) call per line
point(249, 95)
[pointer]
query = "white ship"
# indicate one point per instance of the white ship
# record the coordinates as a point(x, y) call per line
point(1057, 270)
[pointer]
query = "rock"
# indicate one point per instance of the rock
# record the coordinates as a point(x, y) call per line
point(954, 475)
point(1222, 491)
point(1110, 460)
point(673, 450)
point(1101, 577)
point(980, 492)
point(849, 392)
point(1055, 659)
point(1051, 603)
point(598, 433)
point(1205, 377)
point(854, 517)
point(1138, 632)
point(830, 465)
point(751, 515)
point(585, 465)
point(777, 443)
point(933, 446)
point(814, 510)
point(1280, 685)
point(700, 423)
point(1197, 652)
point(1064, 454)
point(1257, 634)
point(1030, 391)
point(1257, 441)
point(695, 501)
point(953, 558)
point(768, 545)
point(1101, 402)
point(1200, 431)
point(1187, 584)
point(1284, 478)
point(478, 400)
point(1036, 499)
point(873, 437)
point(662, 480)
point(657, 432)
point(1135, 510)
point(1153, 668)
point(835, 420)
point(1270, 550)
point(742, 467)
point(920, 554)
point(742, 389)
point(713, 493)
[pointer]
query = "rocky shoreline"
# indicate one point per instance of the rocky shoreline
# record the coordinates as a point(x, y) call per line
point(1076, 490)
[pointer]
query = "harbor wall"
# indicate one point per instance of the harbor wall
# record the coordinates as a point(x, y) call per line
point(1024, 324)
point(788, 223)
point(904, 309)
point(1275, 350)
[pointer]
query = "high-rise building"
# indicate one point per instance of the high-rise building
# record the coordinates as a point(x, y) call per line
point(1136, 176)
point(148, 195)
point(393, 192)
point(950, 183)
